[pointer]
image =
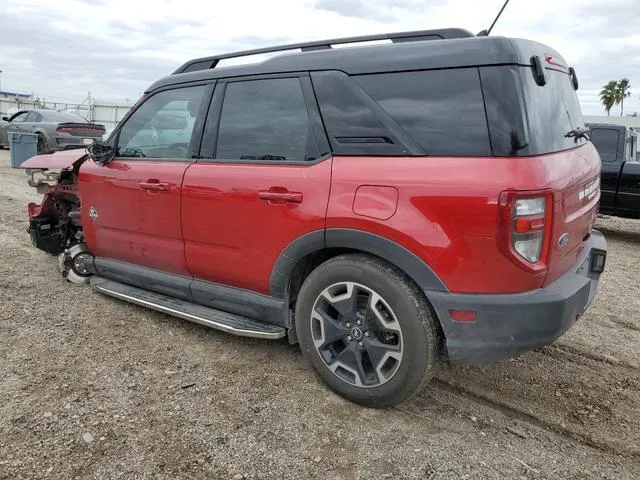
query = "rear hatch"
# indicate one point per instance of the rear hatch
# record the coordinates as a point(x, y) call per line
point(576, 198)
point(556, 131)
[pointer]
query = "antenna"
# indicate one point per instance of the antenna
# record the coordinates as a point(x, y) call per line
point(485, 33)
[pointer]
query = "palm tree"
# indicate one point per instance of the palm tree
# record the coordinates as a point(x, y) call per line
point(608, 95)
point(622, 92)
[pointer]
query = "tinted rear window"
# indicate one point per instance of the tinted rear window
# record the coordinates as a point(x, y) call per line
point(265, 120)
point(54, 116)
point(552, 111)
point(606, 142)
point(526, 118)
point(442, 110)
point(356, 124)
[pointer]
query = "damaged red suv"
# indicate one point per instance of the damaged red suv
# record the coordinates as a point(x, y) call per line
point(384, 205)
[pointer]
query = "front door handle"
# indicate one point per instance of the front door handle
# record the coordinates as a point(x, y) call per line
point(280, 196)
point(154, 186)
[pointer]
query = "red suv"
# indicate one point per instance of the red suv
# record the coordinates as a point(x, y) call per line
point(380, 205)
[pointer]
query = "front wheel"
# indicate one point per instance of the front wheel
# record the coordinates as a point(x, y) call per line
point(367, 330)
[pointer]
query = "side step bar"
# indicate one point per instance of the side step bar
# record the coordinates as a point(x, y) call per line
point(227, 322)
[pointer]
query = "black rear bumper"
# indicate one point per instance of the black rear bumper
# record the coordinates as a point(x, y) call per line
point(509, 324)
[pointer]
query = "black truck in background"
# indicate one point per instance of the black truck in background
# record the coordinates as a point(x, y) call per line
point(620, 179)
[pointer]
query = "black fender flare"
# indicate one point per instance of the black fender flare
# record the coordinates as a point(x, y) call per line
point(360, 240)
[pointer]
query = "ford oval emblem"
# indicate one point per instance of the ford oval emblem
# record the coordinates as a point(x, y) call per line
point(563, 240)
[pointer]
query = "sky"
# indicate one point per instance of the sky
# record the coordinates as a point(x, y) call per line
point(62, 49)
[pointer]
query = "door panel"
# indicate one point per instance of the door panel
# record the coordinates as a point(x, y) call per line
point(264, 184)
point(134, 225)
point(629, 193)
point(16, 125)
point(131, 206)
point(232, 235)
point(609, 186)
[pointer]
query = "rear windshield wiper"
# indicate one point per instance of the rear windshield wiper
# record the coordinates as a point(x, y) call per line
point(578, 133)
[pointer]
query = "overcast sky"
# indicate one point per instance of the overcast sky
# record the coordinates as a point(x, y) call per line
point(61, 49)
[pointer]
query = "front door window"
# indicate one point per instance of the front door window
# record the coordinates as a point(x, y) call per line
point(162, 127)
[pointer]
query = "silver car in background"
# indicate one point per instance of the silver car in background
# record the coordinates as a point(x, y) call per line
point(55, 130)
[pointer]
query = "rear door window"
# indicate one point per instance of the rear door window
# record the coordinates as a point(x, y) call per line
point(442, 110)
point(266, 120)
point(606, 142)
point(33, 117)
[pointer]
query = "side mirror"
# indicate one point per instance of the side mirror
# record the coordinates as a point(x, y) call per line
point(5, 118)
point(99, 153)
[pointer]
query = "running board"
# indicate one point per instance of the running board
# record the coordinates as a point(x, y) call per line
point(227, 322)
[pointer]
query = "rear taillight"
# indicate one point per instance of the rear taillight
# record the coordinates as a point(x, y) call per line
point(79, 131)
point(524, 228)
point(64, 131)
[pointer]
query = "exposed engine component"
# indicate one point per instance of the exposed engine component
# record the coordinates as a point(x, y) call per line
point(55, 224)
point(74, 262)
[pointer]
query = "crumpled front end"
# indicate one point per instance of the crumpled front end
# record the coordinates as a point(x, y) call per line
point(55, 224)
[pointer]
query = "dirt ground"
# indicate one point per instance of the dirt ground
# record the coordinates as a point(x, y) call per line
point(91, 387)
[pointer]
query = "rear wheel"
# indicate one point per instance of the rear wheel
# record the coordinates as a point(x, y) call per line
point(42, 145)
point(367, 330)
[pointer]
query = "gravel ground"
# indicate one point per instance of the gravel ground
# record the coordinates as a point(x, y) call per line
point(91, 387)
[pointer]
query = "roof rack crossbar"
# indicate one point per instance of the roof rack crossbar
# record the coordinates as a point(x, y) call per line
point(397, 37)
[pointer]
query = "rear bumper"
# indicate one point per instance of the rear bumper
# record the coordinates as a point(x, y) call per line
point(507, 325)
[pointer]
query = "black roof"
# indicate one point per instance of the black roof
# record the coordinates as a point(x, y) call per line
point(416, 51)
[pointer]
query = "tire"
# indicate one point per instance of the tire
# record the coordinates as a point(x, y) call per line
point(386, 358)
point(42, 145)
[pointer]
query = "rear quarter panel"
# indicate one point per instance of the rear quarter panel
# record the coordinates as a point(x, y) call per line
point(447, 210)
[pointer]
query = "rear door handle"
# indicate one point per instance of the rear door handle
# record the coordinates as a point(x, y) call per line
point(154, 186)
point(270, 195)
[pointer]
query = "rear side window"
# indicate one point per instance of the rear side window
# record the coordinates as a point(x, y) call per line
point(266, 120)
point(356, 124)
point(606, 142)
point(33, 117)
point(442, 110)
point(505, 109)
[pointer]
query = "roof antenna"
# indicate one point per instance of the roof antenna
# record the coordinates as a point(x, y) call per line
point(485, 33)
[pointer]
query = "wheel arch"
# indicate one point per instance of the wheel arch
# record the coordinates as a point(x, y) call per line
point(40, 133)
point(302, 255)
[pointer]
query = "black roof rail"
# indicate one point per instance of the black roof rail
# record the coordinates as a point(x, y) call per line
point(205, 63)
